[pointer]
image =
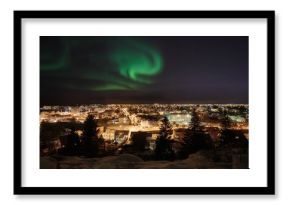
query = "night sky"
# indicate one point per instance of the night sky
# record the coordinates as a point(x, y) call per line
point(149, 69)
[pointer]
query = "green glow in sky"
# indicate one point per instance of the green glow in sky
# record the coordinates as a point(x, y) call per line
point(53, 62)
point(126, 64)
point(138, 63)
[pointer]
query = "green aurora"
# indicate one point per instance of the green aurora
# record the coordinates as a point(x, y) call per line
point(114, 63)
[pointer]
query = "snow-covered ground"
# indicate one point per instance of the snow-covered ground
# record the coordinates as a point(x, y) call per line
point(128, 161)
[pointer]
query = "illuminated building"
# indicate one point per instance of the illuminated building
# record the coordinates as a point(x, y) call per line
point(179, 118)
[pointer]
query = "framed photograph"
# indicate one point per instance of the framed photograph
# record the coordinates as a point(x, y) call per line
point(144, 102)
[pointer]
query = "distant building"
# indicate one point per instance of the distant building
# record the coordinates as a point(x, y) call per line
point(148, 123)
point(179, 118)
point(121, 136)
point(109, 134)
point(237, 118)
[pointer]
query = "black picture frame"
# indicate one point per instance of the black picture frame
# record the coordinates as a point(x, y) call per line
point(269, 189)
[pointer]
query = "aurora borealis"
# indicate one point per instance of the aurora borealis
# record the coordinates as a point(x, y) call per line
point(127, 66)
point(149, 69)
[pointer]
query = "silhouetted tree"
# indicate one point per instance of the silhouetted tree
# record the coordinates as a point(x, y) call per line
point(90, 128)
point(233, 139)
point(227, 135)
point(139, 141)
point(225, 121)
point(49, 132)
point(195, 138)
point(90, 146)
point(194, 125)
point(163, 148)
point(71, 144)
